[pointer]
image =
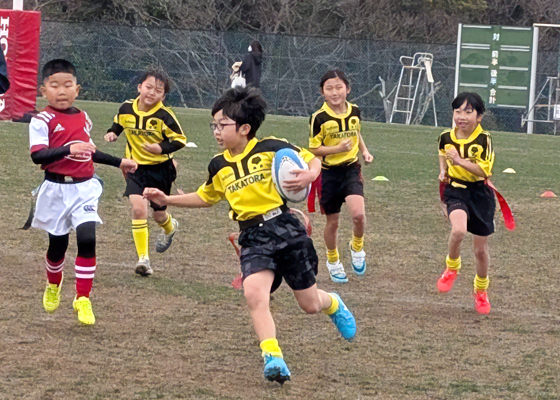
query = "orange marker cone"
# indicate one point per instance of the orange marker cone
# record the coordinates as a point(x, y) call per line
point(548, 194)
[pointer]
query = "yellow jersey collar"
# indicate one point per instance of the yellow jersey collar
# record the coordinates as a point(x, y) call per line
point(333, 114)
point(250, 145)
point(473, 135)
point(144, 113)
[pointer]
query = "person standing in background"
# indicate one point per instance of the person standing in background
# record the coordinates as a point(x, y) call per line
point(251, 65)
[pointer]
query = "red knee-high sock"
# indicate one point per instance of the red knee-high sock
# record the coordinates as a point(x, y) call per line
point(85, 271)
point(54, 271)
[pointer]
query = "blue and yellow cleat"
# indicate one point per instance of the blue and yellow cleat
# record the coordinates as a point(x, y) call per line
point(275, 369)
point(344, 320)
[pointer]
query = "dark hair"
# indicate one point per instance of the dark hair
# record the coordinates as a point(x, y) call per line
point(473, 99)
point(256, 47)
point(334, 73)
point(159, 75)
point(244, 106)
point(55, 66)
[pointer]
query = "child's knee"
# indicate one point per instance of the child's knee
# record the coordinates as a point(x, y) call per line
point(481, 252)
point(139, 212)
point(85, 236)
point(458, 233)
point(359, 218)
point(255, 297)
point(331, 224)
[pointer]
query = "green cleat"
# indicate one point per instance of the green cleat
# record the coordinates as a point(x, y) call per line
point(51, 297)
point(82, 306)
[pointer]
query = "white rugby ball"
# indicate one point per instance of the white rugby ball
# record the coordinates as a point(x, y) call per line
point(284, 162)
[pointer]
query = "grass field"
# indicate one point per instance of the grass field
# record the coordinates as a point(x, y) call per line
point(186, 334)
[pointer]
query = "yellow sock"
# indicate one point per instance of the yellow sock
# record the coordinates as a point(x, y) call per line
point(141, 236)
point(270, 346)
point(480, 284)
point(357, 243)
point(167, 225)
point(453, 263)
point(334, 305)
point(332, 256)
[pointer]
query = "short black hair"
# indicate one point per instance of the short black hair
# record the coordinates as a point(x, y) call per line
point(159, 75)
point(473, 99)
point(59, 65)
point(244, 106)
point(334, 73)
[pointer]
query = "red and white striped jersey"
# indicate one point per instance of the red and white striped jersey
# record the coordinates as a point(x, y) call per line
point(52, 128)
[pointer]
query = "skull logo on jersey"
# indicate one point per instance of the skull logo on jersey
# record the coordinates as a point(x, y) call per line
point(152, 124)
point(475, 151)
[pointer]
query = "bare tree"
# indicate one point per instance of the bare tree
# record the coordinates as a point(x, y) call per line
point(410, 20)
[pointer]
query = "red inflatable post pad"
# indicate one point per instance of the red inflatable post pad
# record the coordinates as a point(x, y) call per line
point(19, 39)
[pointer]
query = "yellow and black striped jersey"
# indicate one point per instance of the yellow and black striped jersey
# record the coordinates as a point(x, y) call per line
point(477, 148)
point(328, 129)
point(159, 125)
point(245, 180)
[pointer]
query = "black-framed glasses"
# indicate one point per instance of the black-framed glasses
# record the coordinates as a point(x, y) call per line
point(219, 126)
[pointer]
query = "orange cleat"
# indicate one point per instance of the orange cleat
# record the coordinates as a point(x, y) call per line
point(446, 280)
point(481, 303)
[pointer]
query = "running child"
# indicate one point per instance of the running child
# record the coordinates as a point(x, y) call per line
point(59, 139)
point(335, 137)
point(153, 134)
point(466, 157)
point(274, 243)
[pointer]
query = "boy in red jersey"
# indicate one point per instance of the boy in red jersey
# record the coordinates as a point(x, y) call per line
point(59, 140)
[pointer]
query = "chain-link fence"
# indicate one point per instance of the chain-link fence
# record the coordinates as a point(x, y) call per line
point(110, 58)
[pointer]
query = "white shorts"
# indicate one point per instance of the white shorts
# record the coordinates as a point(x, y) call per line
point(61, 207)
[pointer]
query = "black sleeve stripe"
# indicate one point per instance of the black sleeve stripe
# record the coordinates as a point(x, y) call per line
point(275, 144)
point(170, 120)
point(444, 138)
point(317, 120)
point(216, 164)
point(116, 128)
point(126, 108)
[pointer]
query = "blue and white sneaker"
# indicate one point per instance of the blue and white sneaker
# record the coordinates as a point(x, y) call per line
point(336, 272)
point(275, 369)
point(358, 261)
point(344, 320)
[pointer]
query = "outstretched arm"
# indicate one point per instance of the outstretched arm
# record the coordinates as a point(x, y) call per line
point(188, 200)
point(47, 156)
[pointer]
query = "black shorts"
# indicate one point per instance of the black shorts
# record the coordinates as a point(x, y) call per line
point(282, 246)
point(337, 183)
point(478, 201)
point(159, 176)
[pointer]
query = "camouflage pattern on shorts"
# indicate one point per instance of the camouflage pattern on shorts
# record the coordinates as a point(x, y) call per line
point(280, 245)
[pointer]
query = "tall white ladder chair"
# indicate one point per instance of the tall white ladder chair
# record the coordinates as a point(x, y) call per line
point(416, 72)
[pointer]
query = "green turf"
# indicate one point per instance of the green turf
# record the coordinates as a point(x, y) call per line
point(185, 333)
